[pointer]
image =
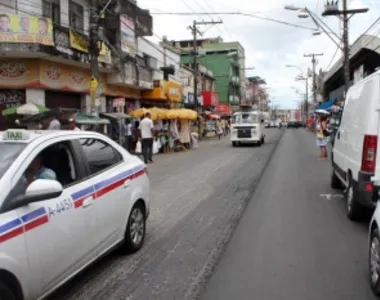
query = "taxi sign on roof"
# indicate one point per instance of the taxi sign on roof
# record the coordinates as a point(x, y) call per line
point(15, 135)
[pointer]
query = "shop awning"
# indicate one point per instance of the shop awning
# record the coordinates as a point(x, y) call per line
point(115, 116)
point(327, 104)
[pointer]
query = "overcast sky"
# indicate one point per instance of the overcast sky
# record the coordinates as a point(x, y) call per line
point(268, 46)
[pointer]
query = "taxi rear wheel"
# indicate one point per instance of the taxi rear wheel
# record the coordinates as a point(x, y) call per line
point(6, 293)
point(135, 232)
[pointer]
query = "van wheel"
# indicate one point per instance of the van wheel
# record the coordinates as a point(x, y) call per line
point(234, 144)
point(354, 209)
point(6, 293)
point(374, 261)
point(135, 232)
point(259, 143)
point(335, 182)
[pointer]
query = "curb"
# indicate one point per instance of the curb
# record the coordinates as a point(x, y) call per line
point(199, 283)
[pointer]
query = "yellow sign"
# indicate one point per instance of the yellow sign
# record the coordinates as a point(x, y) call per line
point(78, 42)
point(93, 84)
point(26, 29)
point(173, 91)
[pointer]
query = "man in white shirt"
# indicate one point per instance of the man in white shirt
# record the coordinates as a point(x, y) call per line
point(73, 125)
point(146, 133)
point(54, 124)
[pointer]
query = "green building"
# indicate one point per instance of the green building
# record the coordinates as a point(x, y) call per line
point(227, 62)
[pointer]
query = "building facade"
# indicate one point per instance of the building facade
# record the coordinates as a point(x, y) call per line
point(44, 48)
point(225, 60)
point(205, 87)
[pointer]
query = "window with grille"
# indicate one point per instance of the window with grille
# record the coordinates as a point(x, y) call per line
point(76, 16)
point(52, 9)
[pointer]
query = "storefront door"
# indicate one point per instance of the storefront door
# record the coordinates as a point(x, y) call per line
point(54, 99)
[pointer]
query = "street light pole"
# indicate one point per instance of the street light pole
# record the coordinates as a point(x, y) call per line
point(331, 9)
point(314, 62)
point(306, 78)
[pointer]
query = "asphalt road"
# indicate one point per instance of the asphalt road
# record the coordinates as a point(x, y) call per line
point(294, 241)
point(197, 199)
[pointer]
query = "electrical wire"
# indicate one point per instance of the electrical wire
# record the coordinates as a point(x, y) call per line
point(237, 14)
point(332, 59)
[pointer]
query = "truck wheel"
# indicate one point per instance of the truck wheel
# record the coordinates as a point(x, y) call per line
point(6, 293)
point(355, 211)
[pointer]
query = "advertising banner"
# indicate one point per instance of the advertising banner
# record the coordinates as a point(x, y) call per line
point(26, 29)
point(80, 42)
point(63, 77)
point(127, 35)
point(19, 74)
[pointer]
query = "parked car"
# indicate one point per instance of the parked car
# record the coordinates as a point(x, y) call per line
point(355, 163)
point(68, 197)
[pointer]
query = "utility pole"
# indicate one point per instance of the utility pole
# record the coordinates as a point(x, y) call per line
point(331, 9)
point(94, 54)
point(195, 31)
point(314, 62)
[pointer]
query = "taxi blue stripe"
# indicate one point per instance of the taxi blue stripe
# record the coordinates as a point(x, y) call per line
point(10, 225)
point(91, 189)
point(33, 215)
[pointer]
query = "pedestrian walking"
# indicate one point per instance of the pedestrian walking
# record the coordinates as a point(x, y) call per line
point(321, 126)
point(73, 125)
point(146, 133)
point(128, 135)
point(54, 123)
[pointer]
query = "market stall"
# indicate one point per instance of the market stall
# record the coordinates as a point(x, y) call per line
point(116, 123)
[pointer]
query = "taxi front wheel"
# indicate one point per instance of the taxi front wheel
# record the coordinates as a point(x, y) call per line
point(6, 293)
point(135, 232)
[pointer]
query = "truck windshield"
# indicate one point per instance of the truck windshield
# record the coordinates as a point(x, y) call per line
point(246, 119)
point(9, 152)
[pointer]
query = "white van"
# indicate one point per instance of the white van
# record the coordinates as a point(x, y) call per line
point(355, 163)
point(247, 127)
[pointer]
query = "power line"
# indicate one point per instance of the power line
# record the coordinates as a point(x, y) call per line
point(332, 59)
point(236, 14)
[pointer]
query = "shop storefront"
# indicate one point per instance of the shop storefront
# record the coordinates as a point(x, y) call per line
point(113, 95)
point(165, 94)
point(45, 82)
point(65, 86)
point(10, 98)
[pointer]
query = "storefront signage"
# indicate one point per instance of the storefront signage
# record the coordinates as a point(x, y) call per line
point(173, 91)
point(222, 108)
point(11, 98)
point(118, 102)
point(25, 29)
point(62, 41)
point(18, 73)
point(63, 77)
point(127, 35)
point(78, 42)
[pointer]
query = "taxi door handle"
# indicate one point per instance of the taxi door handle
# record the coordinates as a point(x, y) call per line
point(127, 183)
point(87, 202)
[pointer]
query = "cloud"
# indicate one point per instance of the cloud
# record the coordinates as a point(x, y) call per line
point(269, 46)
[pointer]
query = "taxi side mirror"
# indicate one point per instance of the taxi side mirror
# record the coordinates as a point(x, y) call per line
point(39, 190)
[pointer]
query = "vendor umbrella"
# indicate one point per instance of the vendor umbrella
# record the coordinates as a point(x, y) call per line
point(26, 109)
point(322, 112)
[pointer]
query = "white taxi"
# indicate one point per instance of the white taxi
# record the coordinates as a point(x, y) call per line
point(67, 198)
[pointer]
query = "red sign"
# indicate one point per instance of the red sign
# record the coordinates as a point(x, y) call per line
point(210, 98)
point(222, 108)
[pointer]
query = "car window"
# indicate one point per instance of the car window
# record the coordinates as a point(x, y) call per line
point(55, 162)
point(9, 152)
point(100, 155)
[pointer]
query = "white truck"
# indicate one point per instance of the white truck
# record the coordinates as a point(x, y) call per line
point(247, 127)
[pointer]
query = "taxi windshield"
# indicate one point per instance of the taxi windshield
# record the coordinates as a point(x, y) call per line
point(246, 119)
point(9, 152)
